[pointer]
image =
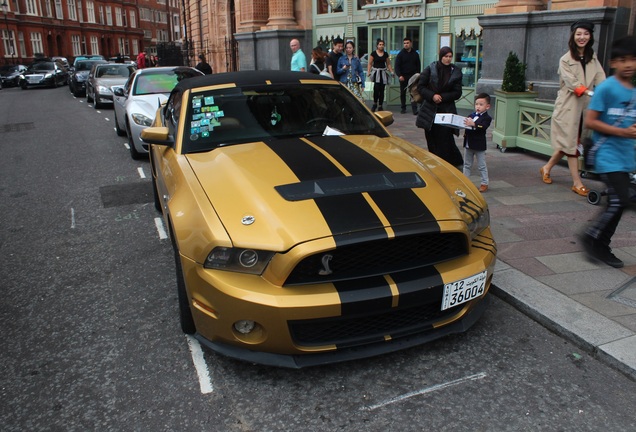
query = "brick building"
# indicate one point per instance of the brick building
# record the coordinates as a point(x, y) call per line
point(72, 27)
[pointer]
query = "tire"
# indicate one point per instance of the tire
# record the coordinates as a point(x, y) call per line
point(120, 132)
point(24, 86)
point(133, 151)
point(185, 313)
point(96, 105)
point(89, 99)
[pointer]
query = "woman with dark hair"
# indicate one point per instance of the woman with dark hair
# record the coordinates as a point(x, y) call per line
point(317, 60)
point(440, 86)
point(579, 72)
point(350, 71)
point(378, 71)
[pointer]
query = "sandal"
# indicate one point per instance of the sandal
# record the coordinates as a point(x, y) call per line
point(583, 191)
point(545, 176)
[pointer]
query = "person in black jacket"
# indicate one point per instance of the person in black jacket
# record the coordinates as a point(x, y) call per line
point(407, 64)
point(203, 65)
point(475, 139)
point(440, 86)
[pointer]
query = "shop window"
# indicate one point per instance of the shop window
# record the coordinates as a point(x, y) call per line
point(468, 56)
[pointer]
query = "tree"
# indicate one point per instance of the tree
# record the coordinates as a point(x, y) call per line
point(514, 77)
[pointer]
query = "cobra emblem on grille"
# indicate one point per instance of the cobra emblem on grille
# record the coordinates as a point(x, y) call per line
point(325, 265)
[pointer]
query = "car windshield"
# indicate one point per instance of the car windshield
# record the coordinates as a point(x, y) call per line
point(86, 65)
point(42, 66)
point(113, 71)
point(8, 68)
point(258, 113)
point(161, 81)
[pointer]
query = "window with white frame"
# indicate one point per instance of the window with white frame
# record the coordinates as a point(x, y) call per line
point(175, 27)
point(109, 16)
point(145, 14)
point(122, 45)
point(59, 12)
point(101, 14)
point(133, 19)
point(94, 45)
point(23, 52)
point(48, 9)
point(135, 48)
point(118, 21)
point(72, 10)
point(80, 11)
point(124, 20)
point(76, 45)
point(90, 11)
point(9, 43)
point(31, 7)
point(36, 43)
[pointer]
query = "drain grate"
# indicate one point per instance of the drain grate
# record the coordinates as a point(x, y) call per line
point(16, 127)
point(126, 194)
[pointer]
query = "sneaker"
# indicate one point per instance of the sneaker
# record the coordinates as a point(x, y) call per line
point(598, 252)
point(483, 188)
point(374, 107)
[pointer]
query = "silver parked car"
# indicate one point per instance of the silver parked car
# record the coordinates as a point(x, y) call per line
point(102, 77)
point(137, 101)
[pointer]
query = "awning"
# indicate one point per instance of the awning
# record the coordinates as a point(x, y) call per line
point(467, 27)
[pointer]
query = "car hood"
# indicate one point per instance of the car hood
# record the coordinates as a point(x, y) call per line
point(145, 104)
point(107, 82)
point(297, 190)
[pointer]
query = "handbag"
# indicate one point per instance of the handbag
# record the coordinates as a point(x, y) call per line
point(411, 86)
point(590, 147)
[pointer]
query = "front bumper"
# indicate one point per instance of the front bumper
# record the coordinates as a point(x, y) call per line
point(309, 325)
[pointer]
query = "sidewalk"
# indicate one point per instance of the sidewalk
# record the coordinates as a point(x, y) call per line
point(541, 268)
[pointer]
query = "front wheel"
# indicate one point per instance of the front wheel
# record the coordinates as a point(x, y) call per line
point(131, 143)
point(120, 131)
point(185, 313)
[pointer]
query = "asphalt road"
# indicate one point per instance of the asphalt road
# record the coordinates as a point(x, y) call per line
point(90, 338)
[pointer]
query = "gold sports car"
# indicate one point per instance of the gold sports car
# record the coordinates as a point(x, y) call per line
point(304, 233)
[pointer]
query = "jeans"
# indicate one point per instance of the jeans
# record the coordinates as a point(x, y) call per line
point(618, 199)
point(480, 156)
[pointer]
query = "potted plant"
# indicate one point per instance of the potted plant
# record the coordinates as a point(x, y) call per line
point(513, 89)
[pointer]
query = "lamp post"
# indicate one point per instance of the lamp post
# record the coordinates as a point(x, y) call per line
point(5, 9)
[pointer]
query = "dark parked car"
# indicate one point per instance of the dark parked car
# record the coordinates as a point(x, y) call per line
point(80, 58)
point(44, 74)
point(10, 74)
point(77, 78)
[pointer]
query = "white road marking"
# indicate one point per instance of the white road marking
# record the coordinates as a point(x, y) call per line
point(200, 365)
point(106, 118)
point(142, 175)
point(424, 391)
point(127, 146)
point(72, 218)
point(160, 229)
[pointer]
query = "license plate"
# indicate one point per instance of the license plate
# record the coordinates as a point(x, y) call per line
point(461, 291)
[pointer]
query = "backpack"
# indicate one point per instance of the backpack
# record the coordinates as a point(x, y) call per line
point(411, 87)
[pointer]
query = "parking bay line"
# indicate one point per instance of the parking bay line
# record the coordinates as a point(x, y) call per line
point(424, 391)
point(160, 229)
point(141, 172)
point(200, 365)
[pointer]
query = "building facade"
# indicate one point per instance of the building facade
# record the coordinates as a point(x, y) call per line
point(70, 28)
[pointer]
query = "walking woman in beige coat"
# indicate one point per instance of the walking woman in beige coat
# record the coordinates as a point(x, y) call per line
point(579, 72)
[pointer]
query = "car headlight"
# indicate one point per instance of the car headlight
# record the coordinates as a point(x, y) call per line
point(479, 223)
point(239, 260)
point(105, 90)
point(141, 119)
point(48, 76)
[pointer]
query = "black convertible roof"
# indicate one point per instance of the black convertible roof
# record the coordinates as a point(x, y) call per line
point(247, 78)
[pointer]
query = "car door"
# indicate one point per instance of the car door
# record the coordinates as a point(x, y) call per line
point(119, 102)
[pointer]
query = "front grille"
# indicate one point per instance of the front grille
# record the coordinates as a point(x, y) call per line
point(378, 257)
point(355, 330)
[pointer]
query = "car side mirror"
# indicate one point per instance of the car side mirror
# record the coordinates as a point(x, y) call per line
point(385, 117)
point(157, 136)
point(118, 91)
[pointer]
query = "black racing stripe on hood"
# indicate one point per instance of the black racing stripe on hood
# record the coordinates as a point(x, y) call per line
point(364, 296)
point(343, 213)
point(401, 206)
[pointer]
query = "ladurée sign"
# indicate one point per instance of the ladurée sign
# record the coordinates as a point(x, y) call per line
point(395, 13)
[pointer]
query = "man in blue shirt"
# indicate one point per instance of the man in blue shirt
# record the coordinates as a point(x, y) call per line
point(611, 115)
point(298, 61)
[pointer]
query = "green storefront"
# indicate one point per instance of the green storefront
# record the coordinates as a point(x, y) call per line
point(430, 25)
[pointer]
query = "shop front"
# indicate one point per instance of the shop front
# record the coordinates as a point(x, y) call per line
point(429, 25)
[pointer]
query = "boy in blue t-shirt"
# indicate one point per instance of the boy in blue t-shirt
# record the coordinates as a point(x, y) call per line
point(612, 116)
